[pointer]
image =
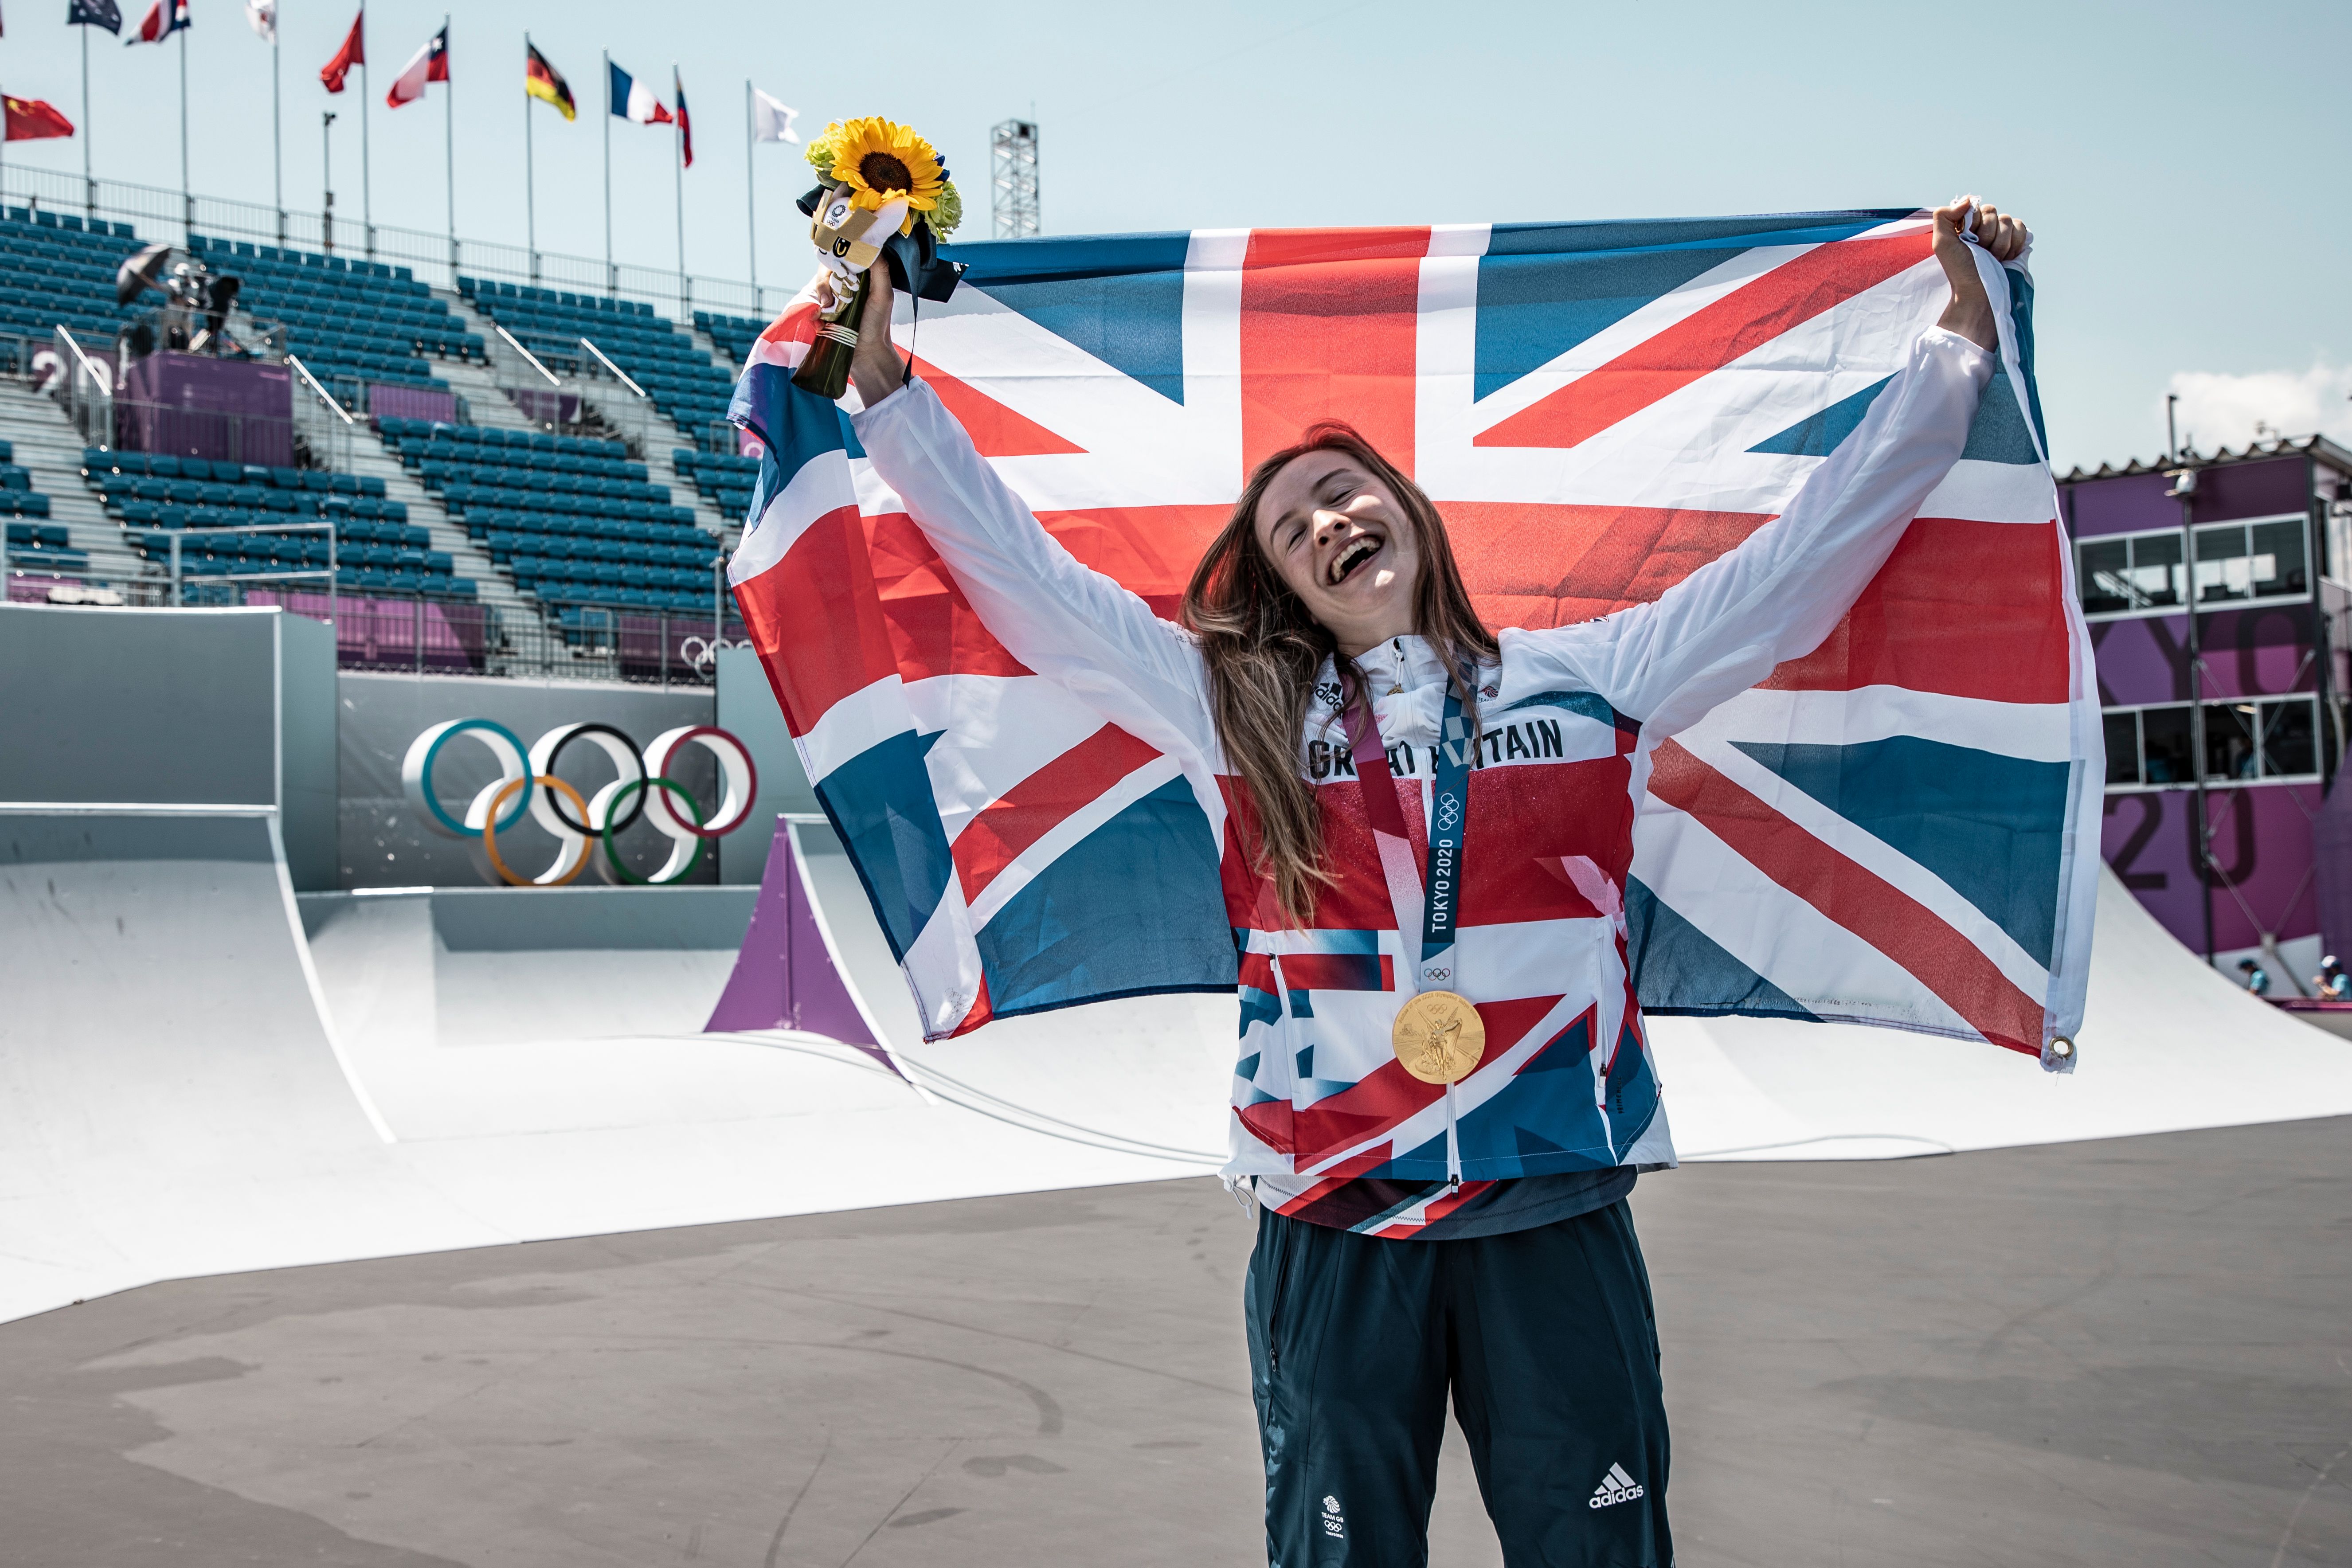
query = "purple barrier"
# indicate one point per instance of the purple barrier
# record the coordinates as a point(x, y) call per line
point(547, 407)
point(371, 632)
point(785, 977)
point(386, 400)
point(237, 411)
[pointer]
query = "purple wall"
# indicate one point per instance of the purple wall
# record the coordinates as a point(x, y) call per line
point(2263, 836)
point(239, 411)
point(2130, 503)
point(2263, 839)
point(386, 400)
point(2248, 653)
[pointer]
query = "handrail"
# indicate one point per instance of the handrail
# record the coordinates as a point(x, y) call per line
point(88, 365)
point(601, 358)
point(552, 379)
point(324, 395)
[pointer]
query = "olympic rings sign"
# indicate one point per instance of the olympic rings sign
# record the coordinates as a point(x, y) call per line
point(641, 788)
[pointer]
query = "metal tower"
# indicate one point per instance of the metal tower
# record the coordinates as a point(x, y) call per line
point(1014, 145)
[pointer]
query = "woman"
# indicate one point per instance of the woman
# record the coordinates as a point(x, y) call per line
point(1442, 1095)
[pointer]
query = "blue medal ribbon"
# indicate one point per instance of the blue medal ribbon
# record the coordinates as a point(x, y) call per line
point(1449, 827)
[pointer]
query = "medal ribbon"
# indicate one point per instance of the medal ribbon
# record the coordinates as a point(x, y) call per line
point(1427, 905)
point(1430, 960)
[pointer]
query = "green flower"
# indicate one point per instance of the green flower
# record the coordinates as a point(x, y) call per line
point(944, 218)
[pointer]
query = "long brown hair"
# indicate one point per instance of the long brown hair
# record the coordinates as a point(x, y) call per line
point(1263, 651)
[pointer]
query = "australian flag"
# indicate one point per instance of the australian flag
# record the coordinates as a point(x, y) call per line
point(1899, 827)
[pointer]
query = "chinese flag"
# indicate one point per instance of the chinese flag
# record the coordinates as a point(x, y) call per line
point(30, 119)
point(352, 53)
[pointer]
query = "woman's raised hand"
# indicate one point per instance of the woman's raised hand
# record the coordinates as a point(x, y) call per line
point(2003, 237)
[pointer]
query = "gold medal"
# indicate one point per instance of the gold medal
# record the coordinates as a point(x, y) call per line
point(1438, 1036)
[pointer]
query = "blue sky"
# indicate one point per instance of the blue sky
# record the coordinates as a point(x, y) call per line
point(2178, 163)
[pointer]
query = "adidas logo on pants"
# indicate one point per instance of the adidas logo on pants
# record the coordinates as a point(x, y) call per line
point(1618, 1487)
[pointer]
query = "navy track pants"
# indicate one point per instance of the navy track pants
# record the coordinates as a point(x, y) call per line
point(1548, 1343)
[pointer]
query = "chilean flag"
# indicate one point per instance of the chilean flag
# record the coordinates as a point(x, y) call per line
point(164, 18)
point(630, 101)
point(430, 63)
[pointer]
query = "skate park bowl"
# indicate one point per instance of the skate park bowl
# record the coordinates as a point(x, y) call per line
point(218, 1055)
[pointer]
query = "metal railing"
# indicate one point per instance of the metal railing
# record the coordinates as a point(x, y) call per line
point(437, 259)
point(420, 634)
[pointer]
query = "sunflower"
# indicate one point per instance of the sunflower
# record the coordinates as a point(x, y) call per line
point(878, 160)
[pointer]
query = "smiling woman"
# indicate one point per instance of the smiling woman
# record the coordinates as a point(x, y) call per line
point(1443, 1090)
point(1329, 552)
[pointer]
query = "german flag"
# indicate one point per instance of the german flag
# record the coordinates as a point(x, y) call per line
point(542, 80)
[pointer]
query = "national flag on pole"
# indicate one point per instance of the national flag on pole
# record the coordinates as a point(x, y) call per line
point(103, 14)
point(263, 15)
point(430, 63)
point(352, 53)
point(1900, 827)
point(771, 119)
point(31, 120)
point(163, 19)
point(631, 99)
point(685, 126)
point(544, 82)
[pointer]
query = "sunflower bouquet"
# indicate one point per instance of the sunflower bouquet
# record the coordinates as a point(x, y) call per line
point(882, 192)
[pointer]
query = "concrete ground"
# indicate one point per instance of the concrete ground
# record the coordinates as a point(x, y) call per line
point(2128, 1352)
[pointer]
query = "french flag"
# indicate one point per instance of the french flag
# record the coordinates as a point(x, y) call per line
point(631, 99)
point(430, 63)
point(164, 18)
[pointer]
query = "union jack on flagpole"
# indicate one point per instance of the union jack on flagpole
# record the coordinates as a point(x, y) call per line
point(1899, 829)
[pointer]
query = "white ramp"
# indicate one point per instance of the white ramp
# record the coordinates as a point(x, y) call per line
point(173, 1101)
point(2166, 1044)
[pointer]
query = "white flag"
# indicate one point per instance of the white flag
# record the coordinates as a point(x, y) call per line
point(770, 120)
point(262, 15)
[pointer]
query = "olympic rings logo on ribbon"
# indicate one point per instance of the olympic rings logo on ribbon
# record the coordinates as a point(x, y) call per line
point(641, 788)
point(1448, 813)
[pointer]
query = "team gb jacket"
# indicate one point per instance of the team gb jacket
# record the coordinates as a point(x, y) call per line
point(1570, 718)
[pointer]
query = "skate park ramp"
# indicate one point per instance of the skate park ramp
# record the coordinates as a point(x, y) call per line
point(212, 1062)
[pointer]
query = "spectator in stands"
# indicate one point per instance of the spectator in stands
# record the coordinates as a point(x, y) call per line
point(2331, 983)
point(2258, 979)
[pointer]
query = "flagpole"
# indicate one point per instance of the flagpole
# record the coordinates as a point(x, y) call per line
point(529, 172)
point(612, 283)
point(367, 189)
point(89, 185)
point(449, 154)
point(678, 169)
point(750, 194)
point(277, 128)
point(187, 202)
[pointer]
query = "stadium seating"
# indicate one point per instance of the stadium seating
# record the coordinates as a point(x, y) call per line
point(677, 375)
point(378, 550)
point(17, 496)
point(573, 519)
point(349, 319)
point(57, 271)
point(735, 334)
point(723, 476)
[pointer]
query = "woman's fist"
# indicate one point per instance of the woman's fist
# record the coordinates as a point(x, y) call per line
point(2001, 236)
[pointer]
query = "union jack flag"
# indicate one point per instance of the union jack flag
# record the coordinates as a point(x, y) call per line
point(1894, 829)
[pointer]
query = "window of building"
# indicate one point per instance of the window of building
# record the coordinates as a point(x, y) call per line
point(2263, 559)
point(2262, 738)
point(2128, 574)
